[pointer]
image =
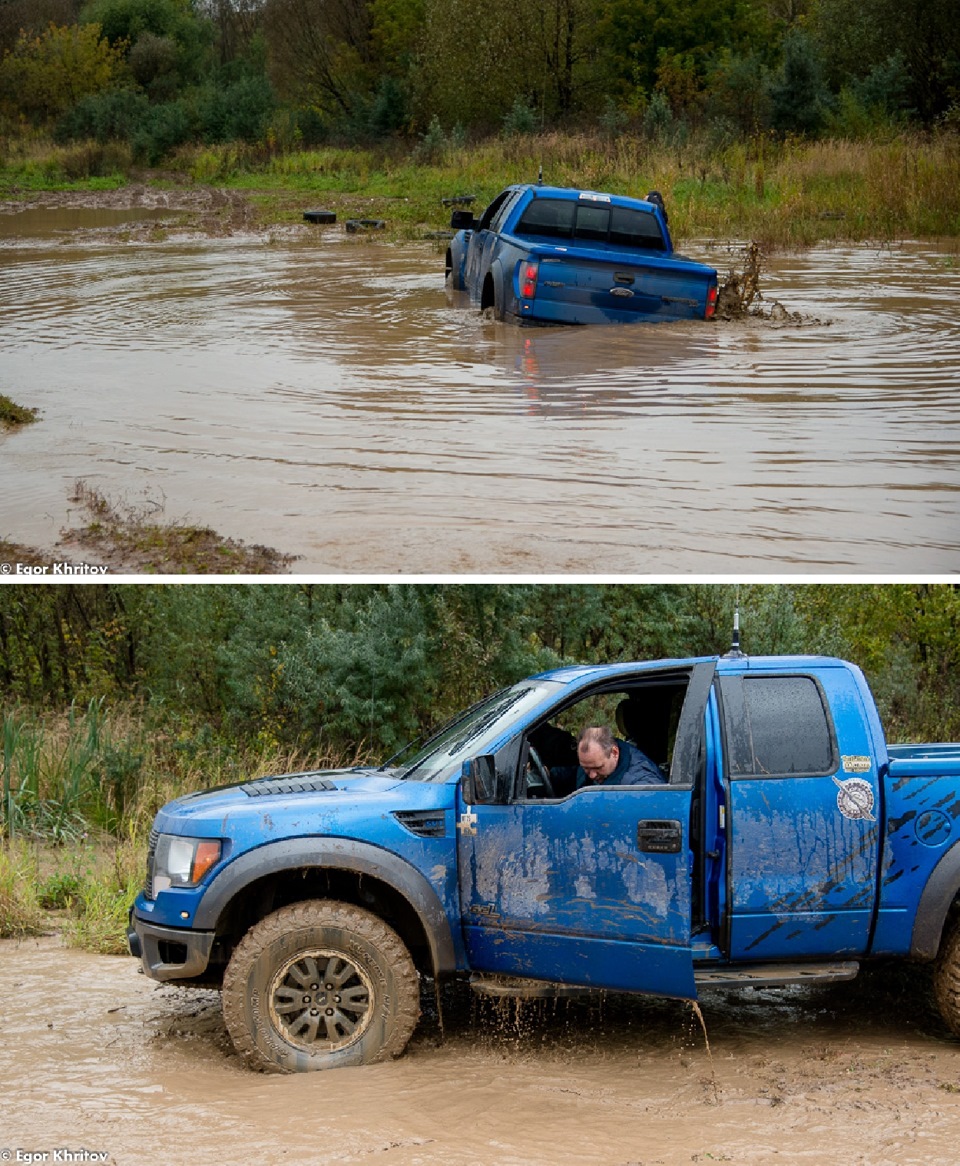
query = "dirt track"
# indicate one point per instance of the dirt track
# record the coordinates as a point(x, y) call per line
point(95, 1057)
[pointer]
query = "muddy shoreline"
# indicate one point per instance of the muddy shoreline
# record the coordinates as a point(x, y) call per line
point(144, 1074)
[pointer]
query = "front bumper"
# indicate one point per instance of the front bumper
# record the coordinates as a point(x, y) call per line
point(169, 953)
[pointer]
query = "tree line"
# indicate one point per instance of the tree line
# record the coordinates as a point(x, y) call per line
point(358, 668)
point(157, 73)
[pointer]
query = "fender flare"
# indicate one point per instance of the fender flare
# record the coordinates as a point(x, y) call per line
point(935, 902)
point(345, 854)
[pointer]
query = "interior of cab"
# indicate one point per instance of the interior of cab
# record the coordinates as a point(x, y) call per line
point(643, 715)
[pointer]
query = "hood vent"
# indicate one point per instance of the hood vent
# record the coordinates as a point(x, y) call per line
point(423, 823)
point(292, 783)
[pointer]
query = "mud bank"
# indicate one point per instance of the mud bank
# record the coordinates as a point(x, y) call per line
point(95, 1057)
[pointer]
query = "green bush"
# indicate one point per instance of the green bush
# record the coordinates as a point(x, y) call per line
point(520, 120)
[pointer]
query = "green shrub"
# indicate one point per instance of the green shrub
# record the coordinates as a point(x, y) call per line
point(520, 120)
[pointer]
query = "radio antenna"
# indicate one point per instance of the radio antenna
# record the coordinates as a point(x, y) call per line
point(735, 653)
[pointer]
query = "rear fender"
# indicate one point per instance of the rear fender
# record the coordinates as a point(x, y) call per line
point(939, 895)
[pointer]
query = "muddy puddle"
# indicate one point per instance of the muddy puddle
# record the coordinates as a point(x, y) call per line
point(95, 1057)
point(325, 396)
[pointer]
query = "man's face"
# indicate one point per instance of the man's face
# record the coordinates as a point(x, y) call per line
point(594, 762)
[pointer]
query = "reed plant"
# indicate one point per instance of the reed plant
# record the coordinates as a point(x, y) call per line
point(20, 911)
point(80, 791)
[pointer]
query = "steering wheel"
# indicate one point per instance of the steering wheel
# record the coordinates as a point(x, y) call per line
point(538, 776)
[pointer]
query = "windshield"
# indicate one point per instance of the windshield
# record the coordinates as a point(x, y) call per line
point(469, 734)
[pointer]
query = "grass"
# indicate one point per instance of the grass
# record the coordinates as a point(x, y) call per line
point(128, 539)
point(126, 536)
point(80, 791)
point(20, 910)
point(12, 415)
point(780, 194)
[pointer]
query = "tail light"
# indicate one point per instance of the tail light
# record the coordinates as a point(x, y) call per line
point(528, 278)
point(711, 303)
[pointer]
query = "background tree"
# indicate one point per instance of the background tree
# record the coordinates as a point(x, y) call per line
point(799, 98)
point(32, 17)
point(165, 40)
point(632, 35)
point(861, 38)
point(321, 52)
point(44, 76)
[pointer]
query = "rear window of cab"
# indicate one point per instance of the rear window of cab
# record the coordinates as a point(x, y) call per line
point(581, 222)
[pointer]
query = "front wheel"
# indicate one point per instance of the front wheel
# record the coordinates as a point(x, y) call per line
point(320, 985)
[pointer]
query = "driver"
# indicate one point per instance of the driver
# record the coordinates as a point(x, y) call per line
point(606, 760)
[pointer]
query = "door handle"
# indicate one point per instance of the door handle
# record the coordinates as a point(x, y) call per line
point(657, 836)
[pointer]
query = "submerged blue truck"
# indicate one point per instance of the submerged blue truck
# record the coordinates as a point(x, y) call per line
point(776, 839)
point(554, 255)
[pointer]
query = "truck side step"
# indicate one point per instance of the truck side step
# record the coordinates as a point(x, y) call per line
point(524, 989)
point(774, 975)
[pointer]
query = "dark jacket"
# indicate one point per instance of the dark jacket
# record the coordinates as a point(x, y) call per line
point(633, 768)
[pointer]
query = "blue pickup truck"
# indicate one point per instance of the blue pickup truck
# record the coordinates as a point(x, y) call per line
point(554, 255)
point(774, 838)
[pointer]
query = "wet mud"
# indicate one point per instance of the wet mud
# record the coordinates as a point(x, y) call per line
point(94, 1057)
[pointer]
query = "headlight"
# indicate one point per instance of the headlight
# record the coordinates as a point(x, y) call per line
point(182, 862)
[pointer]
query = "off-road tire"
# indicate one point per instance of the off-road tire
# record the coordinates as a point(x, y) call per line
point(276, 1029)
point(946, 978)
point(452, 274)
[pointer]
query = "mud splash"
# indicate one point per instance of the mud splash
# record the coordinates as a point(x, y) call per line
point(95, 1056)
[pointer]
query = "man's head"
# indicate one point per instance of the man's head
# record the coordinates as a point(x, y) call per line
point(598, 752)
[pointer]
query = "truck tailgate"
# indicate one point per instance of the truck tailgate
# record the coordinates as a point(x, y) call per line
point(580, 288)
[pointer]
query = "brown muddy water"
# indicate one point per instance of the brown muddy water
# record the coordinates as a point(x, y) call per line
point(95, 1057)
point(326, 396)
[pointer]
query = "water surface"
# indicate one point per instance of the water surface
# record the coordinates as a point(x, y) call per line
point(326, 396)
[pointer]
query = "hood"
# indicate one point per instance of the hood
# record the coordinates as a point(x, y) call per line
point(308, 802)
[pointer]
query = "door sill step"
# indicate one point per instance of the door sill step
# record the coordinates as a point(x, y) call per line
point(524, 989)
point(774, 975)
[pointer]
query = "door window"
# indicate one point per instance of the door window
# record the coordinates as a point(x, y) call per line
point(777, 726)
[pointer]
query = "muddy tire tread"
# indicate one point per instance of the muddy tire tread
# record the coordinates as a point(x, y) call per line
point(304, 916)
point(946, 978)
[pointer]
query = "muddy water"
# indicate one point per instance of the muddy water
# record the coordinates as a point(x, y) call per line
point(327, 397)
point(94, 1056)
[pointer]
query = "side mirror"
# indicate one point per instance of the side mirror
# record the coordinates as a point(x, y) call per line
point(463, 221)
point(480, 780)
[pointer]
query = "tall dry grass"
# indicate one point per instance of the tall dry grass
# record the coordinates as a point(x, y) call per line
point(80, 791)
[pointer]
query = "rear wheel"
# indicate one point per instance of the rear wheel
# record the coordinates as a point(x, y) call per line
point(320, 985)
point(452, 273)
point(946, 978)
point(492, 296)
